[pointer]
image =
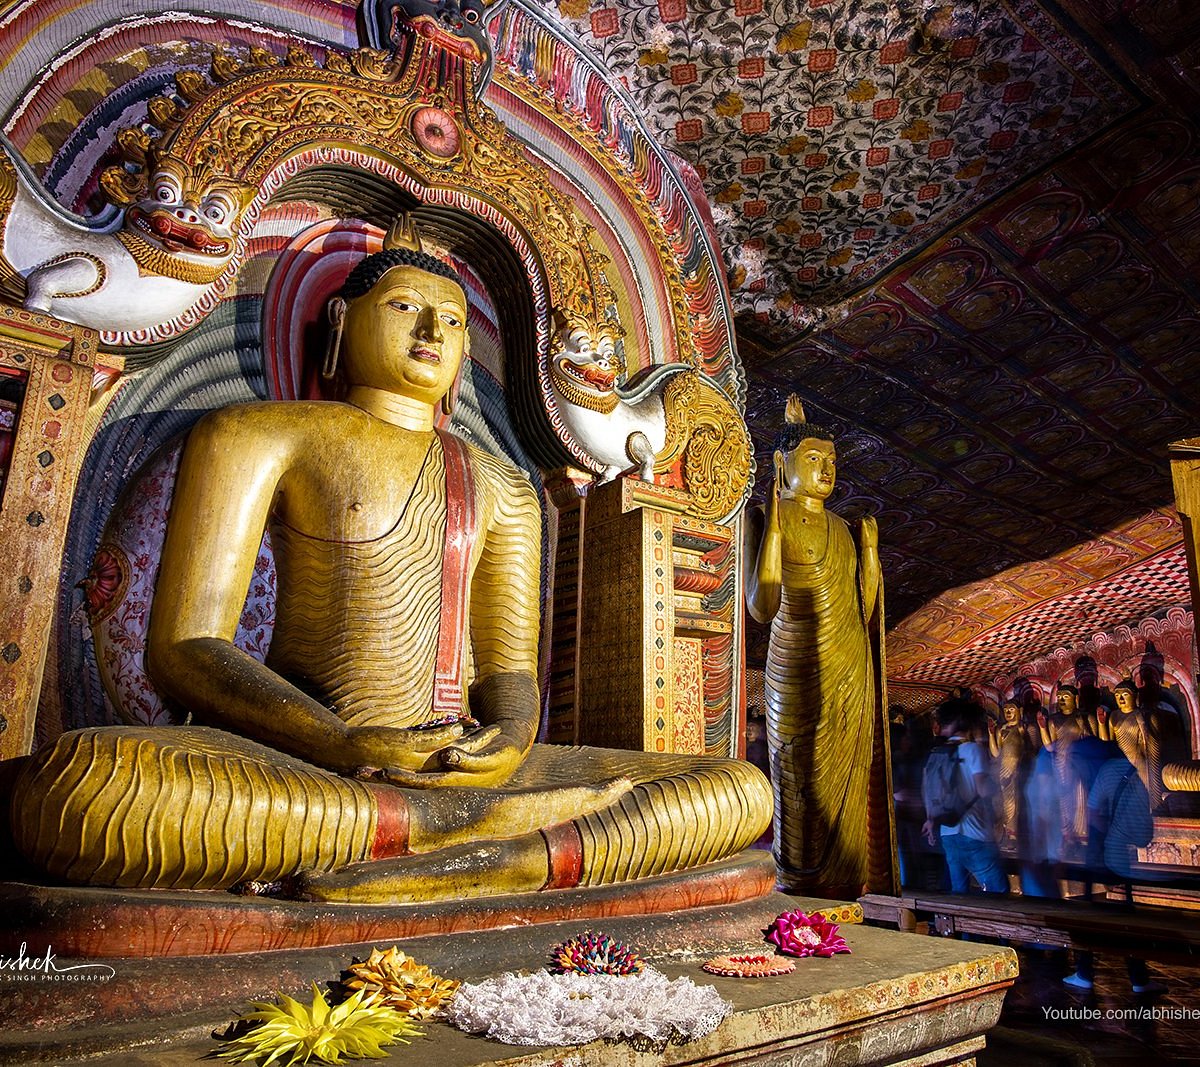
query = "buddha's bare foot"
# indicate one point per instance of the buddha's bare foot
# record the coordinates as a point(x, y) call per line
point(485, 868)
point(443, 817)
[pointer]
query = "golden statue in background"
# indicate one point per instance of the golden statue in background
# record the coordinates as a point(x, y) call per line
point(1008, 744)
point(823, 596)
point(350, 765)
point(1149, 737)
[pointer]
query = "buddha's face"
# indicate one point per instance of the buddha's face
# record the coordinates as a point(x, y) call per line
point(1066, 702)
point(1125, 700)
point(407, 335)
point(810, 468)
point(1012, 714)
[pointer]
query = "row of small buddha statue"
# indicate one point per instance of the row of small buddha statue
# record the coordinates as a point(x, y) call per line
point(1148, 731)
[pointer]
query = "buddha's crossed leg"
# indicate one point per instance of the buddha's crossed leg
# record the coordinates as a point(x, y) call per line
point(202, 809)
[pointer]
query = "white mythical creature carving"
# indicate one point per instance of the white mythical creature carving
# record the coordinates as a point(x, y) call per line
point(131, 267)
point(620, 424)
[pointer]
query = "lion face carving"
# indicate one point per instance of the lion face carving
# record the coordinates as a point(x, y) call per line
point(586, 366)
point(184, 226)
point(587, 361)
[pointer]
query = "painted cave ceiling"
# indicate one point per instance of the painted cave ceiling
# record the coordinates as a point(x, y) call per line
point(968, 234)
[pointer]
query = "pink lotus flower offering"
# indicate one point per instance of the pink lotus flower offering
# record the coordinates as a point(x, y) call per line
point(796, 934)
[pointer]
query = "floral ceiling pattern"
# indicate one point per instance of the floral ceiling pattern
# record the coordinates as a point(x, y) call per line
point(835, 135)
point(1011, 392)
point(968, 234)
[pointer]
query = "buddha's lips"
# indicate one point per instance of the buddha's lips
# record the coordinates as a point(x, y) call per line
point(463, 47)
point(426, 355)
point(175, 235)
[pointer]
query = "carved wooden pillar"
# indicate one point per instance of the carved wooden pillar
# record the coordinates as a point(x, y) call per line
point(54, 361)
point(644, 627)
point(628, 616)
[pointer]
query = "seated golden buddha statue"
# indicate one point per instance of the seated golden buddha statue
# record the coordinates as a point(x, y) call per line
point(385, 750)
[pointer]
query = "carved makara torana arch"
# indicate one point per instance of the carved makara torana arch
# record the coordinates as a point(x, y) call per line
point(265, 123)
point(326, 129)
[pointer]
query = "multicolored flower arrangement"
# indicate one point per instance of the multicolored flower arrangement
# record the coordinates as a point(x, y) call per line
point(796, 934)
point(590, 953)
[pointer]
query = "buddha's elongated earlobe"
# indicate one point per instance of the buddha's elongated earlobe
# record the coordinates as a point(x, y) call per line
point(450, 396)
point(336, 309)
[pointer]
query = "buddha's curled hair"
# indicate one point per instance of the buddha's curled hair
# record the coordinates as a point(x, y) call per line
point(367, 272)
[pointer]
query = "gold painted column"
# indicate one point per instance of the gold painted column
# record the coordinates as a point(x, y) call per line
point(627, 630)
point(1185, 473)
point(55, 361)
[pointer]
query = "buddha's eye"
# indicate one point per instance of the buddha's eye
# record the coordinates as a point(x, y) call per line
point(404, 305)
point(451, 320)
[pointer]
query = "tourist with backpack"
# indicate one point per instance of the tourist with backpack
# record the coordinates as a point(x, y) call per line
point(958, 789)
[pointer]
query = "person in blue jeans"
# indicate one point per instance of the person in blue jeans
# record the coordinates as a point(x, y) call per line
point(968, 841)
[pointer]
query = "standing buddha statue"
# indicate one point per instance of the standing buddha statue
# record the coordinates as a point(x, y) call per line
point(1149, 737)
point(1060, 731)
point(1008, 744)
point(822, 594)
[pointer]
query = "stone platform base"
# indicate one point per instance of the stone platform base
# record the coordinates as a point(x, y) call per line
point(107, 923)
point(1176, 842)
point(897, 999)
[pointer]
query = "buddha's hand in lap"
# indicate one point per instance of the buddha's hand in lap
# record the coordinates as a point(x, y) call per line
point(509, 705)
point(484, 757)
point(379, 751)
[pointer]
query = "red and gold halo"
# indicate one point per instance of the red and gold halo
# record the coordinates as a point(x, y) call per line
point(310, 270)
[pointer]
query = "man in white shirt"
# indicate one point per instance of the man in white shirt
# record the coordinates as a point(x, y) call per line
point(968, 841)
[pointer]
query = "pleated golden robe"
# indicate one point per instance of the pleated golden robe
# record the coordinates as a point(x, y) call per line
point(821, 713)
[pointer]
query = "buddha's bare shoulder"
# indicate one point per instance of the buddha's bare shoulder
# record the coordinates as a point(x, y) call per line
point(300, 420)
